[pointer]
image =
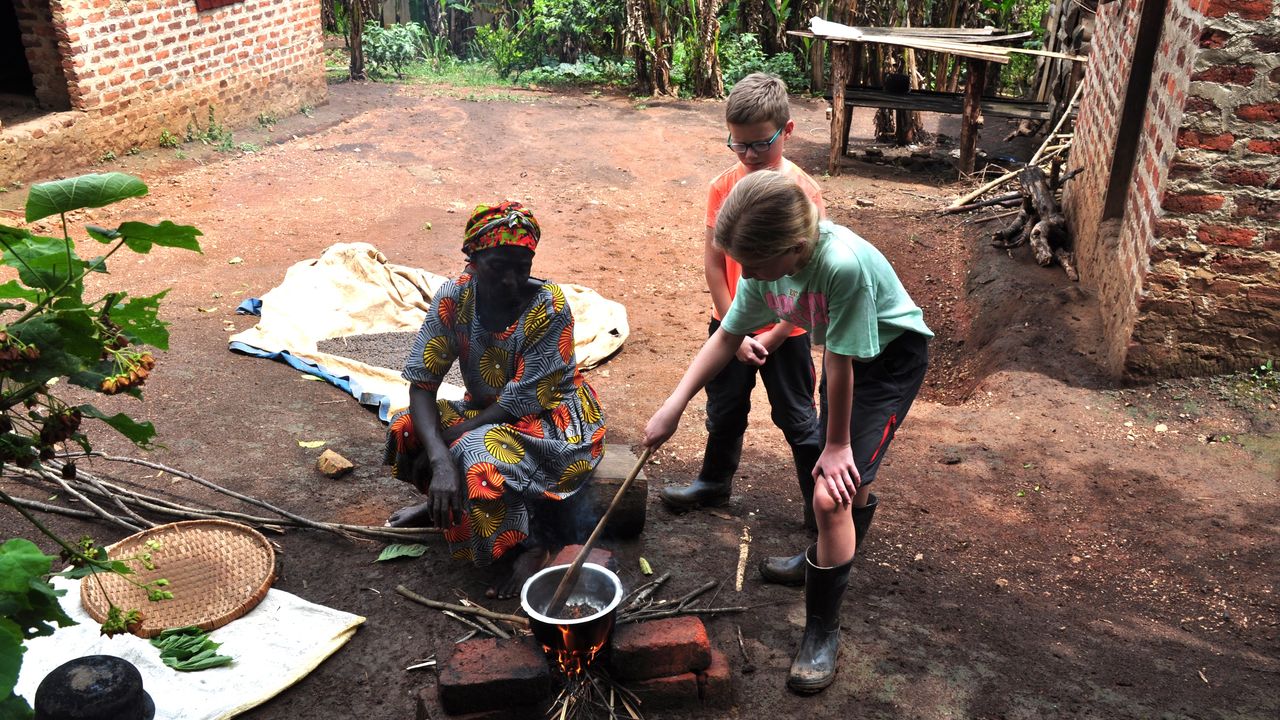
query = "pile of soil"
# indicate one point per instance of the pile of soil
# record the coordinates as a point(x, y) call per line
point(1048, 544)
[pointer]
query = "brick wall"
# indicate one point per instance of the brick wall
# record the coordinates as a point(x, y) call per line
point(1189, 276)
point(35, 20)
point(133, 68)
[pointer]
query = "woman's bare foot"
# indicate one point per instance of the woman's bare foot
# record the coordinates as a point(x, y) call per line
point(512, 577)
point(411, 516)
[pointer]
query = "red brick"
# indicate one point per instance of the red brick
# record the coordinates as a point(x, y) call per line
point(1166, 229)
point(1227, 74)
point(1259, 112)
point(599, 556)
point(1247, 9)
point(1241, 265)
point(715, 684)
point(1259, 207)
point(659, 648)
point(1236, 175)
point(1199, 104)
point(1205, 141)
point(1214, 38)
point(1266, 43)
point(672, 692)
point(486, 673)
point(1181, 169)
point(1270, 146)
point(1191, 202)
point(1226, 235)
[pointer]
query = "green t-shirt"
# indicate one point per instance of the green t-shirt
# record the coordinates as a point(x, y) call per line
point(847, 296)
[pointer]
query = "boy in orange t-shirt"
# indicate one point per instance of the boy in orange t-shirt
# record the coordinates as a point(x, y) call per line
point(759, 120)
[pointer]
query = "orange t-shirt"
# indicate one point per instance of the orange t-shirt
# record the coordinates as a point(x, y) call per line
point(719, 190)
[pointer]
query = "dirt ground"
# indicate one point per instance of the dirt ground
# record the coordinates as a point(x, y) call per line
point(1049, 544)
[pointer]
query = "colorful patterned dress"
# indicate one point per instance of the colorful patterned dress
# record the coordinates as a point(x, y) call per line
point(529, 369)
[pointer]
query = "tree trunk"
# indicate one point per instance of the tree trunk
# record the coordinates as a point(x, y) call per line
point(653, 64)
point(707, 81)
point(355, 20)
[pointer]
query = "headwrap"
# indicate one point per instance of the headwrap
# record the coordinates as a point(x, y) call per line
point(507, 223)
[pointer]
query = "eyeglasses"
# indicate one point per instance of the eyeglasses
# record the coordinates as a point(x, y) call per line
point(760, 146)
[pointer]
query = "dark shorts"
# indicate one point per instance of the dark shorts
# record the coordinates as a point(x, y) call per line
point(883, 390)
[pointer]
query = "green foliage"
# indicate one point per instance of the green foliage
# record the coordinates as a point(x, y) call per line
point(215, 133)
point(741, 55)
point(589, 70)
point(505, 47)
point(53, 331)
point(168, 139)
point(106, 157)
point(267, 120)
point(28, 608)
point(1266, 377)
point(567, 28)
point(392, 49)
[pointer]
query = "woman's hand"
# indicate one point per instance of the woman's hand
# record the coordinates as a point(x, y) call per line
point(663, 424)
point(445, 495)
point(451, 434)
point(836, 470)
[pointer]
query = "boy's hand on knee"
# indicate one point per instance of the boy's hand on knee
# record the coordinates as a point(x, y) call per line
point(836, 469)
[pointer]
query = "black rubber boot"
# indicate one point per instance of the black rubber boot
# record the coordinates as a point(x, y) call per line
point(714, 484)
point(791, 570)
point(805, 458)
point(814, 666)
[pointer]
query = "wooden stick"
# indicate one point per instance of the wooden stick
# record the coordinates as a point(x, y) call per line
point(477, 611)
point(570, 577)
point(93, 506)
point(1040, 152)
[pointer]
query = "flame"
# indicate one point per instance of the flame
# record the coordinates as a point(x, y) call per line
point(570, 663)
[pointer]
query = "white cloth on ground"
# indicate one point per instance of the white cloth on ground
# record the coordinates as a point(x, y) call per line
point(274, 645)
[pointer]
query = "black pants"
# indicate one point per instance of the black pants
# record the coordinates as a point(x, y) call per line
point(883, 390)
point(789, 381)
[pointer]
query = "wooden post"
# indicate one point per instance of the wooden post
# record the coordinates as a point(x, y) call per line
point(356, 39)
point(815, 64)
point(840, 52)
point(971, 118)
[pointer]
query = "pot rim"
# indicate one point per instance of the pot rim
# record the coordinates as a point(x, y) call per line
point(539, 617)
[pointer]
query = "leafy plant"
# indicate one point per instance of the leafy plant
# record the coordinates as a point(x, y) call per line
point(393, 49)
point(168, 139)
point(741, 55)
point(51, 331)
point(215, 133)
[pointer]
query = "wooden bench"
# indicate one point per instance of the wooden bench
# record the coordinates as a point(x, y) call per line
point(937, 102)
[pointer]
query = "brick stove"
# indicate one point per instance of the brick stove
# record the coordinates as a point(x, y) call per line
point(668, 663)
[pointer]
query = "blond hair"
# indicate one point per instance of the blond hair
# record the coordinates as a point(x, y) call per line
point(765, 215)
point(758, 97)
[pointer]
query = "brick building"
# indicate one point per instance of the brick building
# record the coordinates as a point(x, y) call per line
point(1176, 216)
point(79, 78)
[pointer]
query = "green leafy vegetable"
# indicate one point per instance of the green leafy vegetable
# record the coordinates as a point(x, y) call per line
point(189, 649)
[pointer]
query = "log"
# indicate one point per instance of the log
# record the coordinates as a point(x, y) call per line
point(1040, 223)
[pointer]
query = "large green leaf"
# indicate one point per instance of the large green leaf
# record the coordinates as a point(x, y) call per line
point(139, 237)
point(13, 289)
point(20, 561)
point(140, 433)
point(86, 191)
point(42, 262)
point(10, 658)
point(45, 332)
point(139, 318)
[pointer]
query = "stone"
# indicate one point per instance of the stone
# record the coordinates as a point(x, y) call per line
point(333, 465)
point(628, 519)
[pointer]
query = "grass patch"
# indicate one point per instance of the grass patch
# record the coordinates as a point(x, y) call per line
point(461, 73)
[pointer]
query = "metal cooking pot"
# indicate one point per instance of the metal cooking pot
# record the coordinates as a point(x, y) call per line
point(573, 642)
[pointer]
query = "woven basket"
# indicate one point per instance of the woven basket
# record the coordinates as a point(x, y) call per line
point(217, 571)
